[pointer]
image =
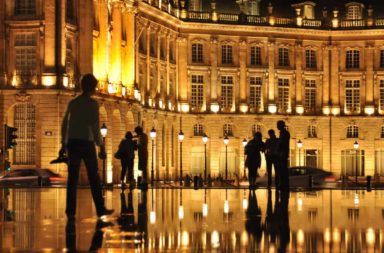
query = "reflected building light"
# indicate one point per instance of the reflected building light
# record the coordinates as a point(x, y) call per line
point(370, 236)
point(233, 239)
point(204, 239)
point(299, 109)
point(244, 238)
point(65, 81)
point(170, 105)
point(161, 104)
point(215, 239)
point(369, 110)
point(170, 239)
point(205, 210)
point(336, 235)
point(226, 207)
point(181, 212)
point(161, 241)
point(185, 107)
point(347, 236)
point(327, 235)
point(123, 91)
point(111, 88)
point(152, 217)
point(184, 239)
point(356, 199)
point(300, 237)
point(245, 203)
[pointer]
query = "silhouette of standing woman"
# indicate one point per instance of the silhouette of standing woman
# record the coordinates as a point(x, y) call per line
point(253, 158)
point(127, 155)
point(283, 153)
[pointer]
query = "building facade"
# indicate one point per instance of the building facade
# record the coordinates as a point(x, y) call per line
point(177, 67)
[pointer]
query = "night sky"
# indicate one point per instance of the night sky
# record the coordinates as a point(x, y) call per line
point(280, 6)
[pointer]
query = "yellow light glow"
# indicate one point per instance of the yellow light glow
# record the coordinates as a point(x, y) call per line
point(226, 207)
point(272, 108)
point(244, 238)
point(336, 235)
point(244, 108)
point(272, 21)
point(300, 237)
point(326, 110)
point(48, 80)
point(181, 212)
point(204, 239)
point(335, 110)
point(299, 21)
point(161, 104)
point(111, 88)
point(205, 209)
point(245, 203)
point(215, 239)
point(123, 91)
point(152, 217)
point(370, 236)
point(185, 239)
point(170, 105)
point(369, 110)
point(215, 107)
point(327, 235)
point(65, 81)
point(185, 107)
point(300, 203)
point(356, 199)
point(300, 109)
point(109, 175)
point(233, 238)
point(335, 23)
point(14, 79)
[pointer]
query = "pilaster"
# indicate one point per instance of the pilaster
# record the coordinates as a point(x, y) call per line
point(243, 71)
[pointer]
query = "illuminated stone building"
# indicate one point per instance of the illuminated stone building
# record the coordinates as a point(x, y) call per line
point(200, 67)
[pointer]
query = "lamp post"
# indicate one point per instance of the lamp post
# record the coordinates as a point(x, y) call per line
point(299, 146)
point(244, 142)
point(103, 132)
point(153, 137)
point(356, 147)
point(181, 138)
point(226, 141)
point(205, 140)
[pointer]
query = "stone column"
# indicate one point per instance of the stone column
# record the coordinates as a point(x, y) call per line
point(243, 73)
point(326, 78)
point(130, 48)
point(115, 52)
point(214, 61)
point(86, 21)
point(334, 76)
point(146, 93)
point(183, 65)
point(299, 77)
point(369, 62)
point(271, 71)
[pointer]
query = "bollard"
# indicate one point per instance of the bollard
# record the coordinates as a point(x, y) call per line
point(369, 183)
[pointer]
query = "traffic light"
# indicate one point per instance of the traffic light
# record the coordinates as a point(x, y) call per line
point(7, 166)
point(10, 136)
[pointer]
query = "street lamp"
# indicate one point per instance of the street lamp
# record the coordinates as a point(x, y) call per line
point(356, 147)
point(299, 146)
point(226, 141)
point(103, 132)
point(153, 137)
point(181, 138)
point(244, 142)
point(205, 140)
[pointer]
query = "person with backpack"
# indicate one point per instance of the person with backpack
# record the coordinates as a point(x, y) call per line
point(126, 153)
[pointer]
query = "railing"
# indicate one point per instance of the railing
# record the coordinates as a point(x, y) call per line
point(380, 22)
point(311, 23)
point(256, 20)
point(228, 17)
point(352, 23)
point(199, 15)
point(284, 21)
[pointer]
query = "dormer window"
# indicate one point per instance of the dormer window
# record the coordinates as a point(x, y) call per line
point(354, 11)
point(307, 9)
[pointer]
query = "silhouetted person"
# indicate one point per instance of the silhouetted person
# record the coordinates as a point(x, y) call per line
point(253, 158)
point(142, 145)
point(253, 223)
point(143, 218)
point(127, 215)
point(271, 157)
point(284, 230)
point(97, 238)
point(283, 152)
point(271, 218)
point(126, 151)
point(80, 131)
point(70, 236)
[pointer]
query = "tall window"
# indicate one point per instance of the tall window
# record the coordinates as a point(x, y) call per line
point(381, 58)
point(153, 45)
point(352, 161)
point(352, 96)
point(312, 131)
point(197, 92)
point(226, 92)
point(352, 132)
point(197, 53)
point(25, 122)
point(381, 95)
point(283, 57)
point(256, 128)
point(312, 158)
point(69, 11)
point(310, 58)
point(353, 59)
point(228, 130)
point(226, 54)
point(283, 95)
point(354, 12)
point(25, 52)
point(69, 62)
point(255, 83)
point(198, 130)
point(382, 132)
point(25, 7)
point(379, 162)
point(310, 96)
point(255, 56)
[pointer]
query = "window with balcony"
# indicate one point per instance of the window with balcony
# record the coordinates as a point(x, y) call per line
point(353, 59)
point(256, 128)
point(197, 99)
point(25, 122)
point(25, 54)
point(197, 53)
point(255, 100)
point(352, 96)
point(312, 133)
point(310, 96)
point(25, 7)
point(198, 130)
point(354, 12)
point(226, 54)
point(255, 56)
point(283, 95)
point(228, 130)
point(379, 162)
point(381, 58)
point(283, 57)
point(352, 132)
point(310, 58)
point(226, 92)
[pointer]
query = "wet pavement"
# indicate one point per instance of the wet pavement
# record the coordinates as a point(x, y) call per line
point(212, 220)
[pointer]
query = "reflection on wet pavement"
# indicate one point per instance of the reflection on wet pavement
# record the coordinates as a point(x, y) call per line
point(232, 220)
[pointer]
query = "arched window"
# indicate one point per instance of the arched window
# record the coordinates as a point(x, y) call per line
point(352, 132)
point(228, 130)
point(198, 130)
point(25, 122)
